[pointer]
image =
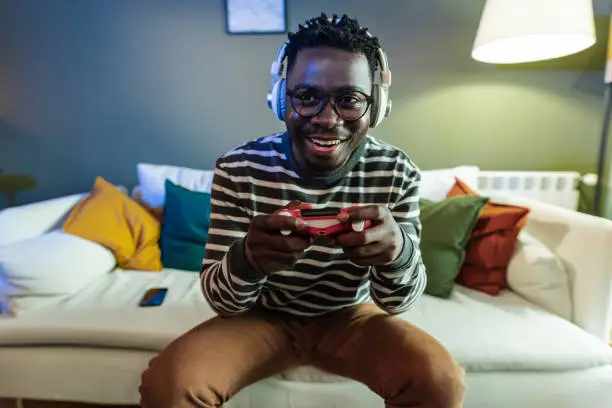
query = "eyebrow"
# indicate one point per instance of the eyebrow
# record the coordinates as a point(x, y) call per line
point(344, 88)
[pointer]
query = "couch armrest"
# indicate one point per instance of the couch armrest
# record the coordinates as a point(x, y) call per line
point(31, 220)
point(584, 243)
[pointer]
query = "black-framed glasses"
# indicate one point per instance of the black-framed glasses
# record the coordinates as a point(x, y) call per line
point(350, 105)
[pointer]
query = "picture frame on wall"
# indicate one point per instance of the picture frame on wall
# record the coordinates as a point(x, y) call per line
point(256, 16)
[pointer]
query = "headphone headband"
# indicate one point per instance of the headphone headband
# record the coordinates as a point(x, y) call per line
point(381, 105)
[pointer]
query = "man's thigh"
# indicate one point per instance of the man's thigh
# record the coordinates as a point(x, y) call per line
point(393, 357)
point(213, 361)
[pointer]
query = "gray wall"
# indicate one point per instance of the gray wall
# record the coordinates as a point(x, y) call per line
point(92, 87)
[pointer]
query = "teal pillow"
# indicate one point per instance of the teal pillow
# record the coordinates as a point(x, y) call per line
point(447, 227)
point(185, 228)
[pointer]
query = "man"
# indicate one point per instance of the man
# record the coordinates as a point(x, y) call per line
point(287, 300)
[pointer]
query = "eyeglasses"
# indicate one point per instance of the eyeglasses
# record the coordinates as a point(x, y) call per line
point(349, 105)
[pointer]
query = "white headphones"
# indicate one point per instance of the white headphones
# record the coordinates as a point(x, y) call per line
point(381, 103)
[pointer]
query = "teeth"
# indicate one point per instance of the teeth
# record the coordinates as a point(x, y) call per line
point(326, 142)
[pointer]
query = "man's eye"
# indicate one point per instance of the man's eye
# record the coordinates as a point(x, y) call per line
point(350, 100)
point(306, 97)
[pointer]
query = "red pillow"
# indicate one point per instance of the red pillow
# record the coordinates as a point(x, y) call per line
point(491, 244)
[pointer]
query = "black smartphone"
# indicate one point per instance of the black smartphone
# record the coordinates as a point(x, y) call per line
point(153, 297)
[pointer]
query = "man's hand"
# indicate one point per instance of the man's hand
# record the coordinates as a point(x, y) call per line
point(267, 250)
point(378, 245)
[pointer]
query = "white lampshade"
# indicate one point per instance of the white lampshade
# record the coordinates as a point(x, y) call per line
point(513, 31)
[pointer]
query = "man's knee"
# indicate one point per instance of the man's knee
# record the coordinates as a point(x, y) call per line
point(157, 388)
point(164, 385)
point(443, 381)
point(429, 377)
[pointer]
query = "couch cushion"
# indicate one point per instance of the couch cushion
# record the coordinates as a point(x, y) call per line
point(539, 275)
point(447, 226)
point(107, 313)
point(185, 228)
point(52, 264)
point(435, 184)
point(112, 219)
point(152, 178)
point(491, 244)
point(484, 333)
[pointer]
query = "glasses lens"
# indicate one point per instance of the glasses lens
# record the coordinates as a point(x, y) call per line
point(308, 102)
point(351, 105)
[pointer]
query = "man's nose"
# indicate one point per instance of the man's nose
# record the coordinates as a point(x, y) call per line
point(328, 116)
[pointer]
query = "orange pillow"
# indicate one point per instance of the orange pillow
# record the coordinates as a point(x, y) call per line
point(112, 219)
point(491, 244)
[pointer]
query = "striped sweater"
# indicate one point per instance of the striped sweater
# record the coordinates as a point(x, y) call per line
point(261, 176)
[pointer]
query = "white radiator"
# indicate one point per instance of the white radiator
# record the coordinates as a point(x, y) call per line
point(558, 188)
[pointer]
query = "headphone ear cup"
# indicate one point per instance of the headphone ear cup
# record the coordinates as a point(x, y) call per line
point(282, 99)
point(278, 99)
point(375, 107)
point(381, 105)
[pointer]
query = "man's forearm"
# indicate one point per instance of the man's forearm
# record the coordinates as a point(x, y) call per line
point(394, 288)
point(231, 286)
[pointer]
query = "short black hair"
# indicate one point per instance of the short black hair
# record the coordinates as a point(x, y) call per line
point(345, 34)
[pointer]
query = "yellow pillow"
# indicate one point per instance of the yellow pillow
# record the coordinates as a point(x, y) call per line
point(112, 219)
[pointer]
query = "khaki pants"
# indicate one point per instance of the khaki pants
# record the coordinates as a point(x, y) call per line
point(213, 361)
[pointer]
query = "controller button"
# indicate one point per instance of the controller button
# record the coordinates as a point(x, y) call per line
point(288, 214)
point(358, 226)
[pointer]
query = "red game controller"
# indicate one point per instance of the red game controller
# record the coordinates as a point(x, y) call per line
point(323, 222)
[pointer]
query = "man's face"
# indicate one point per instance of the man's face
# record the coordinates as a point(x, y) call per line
point(324, 142)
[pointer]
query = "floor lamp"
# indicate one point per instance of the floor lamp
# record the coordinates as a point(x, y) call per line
point(520, 31)
point(602, 165)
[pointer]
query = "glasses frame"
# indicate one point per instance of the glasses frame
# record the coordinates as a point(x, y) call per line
point(327, 96)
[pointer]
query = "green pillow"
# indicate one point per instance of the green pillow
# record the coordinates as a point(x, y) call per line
point(185, 228)
point(447, 227)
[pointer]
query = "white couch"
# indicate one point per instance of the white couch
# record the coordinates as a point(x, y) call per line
point(532, 349)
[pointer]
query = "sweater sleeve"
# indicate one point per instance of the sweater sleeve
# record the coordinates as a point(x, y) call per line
point(395, 287)
point(229, 284)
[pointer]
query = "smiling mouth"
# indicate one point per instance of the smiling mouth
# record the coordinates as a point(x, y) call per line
point(324, 147)
point(321, 142)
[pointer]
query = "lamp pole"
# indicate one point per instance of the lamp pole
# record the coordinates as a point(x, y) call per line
point(600, 197)
point(602, 164)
